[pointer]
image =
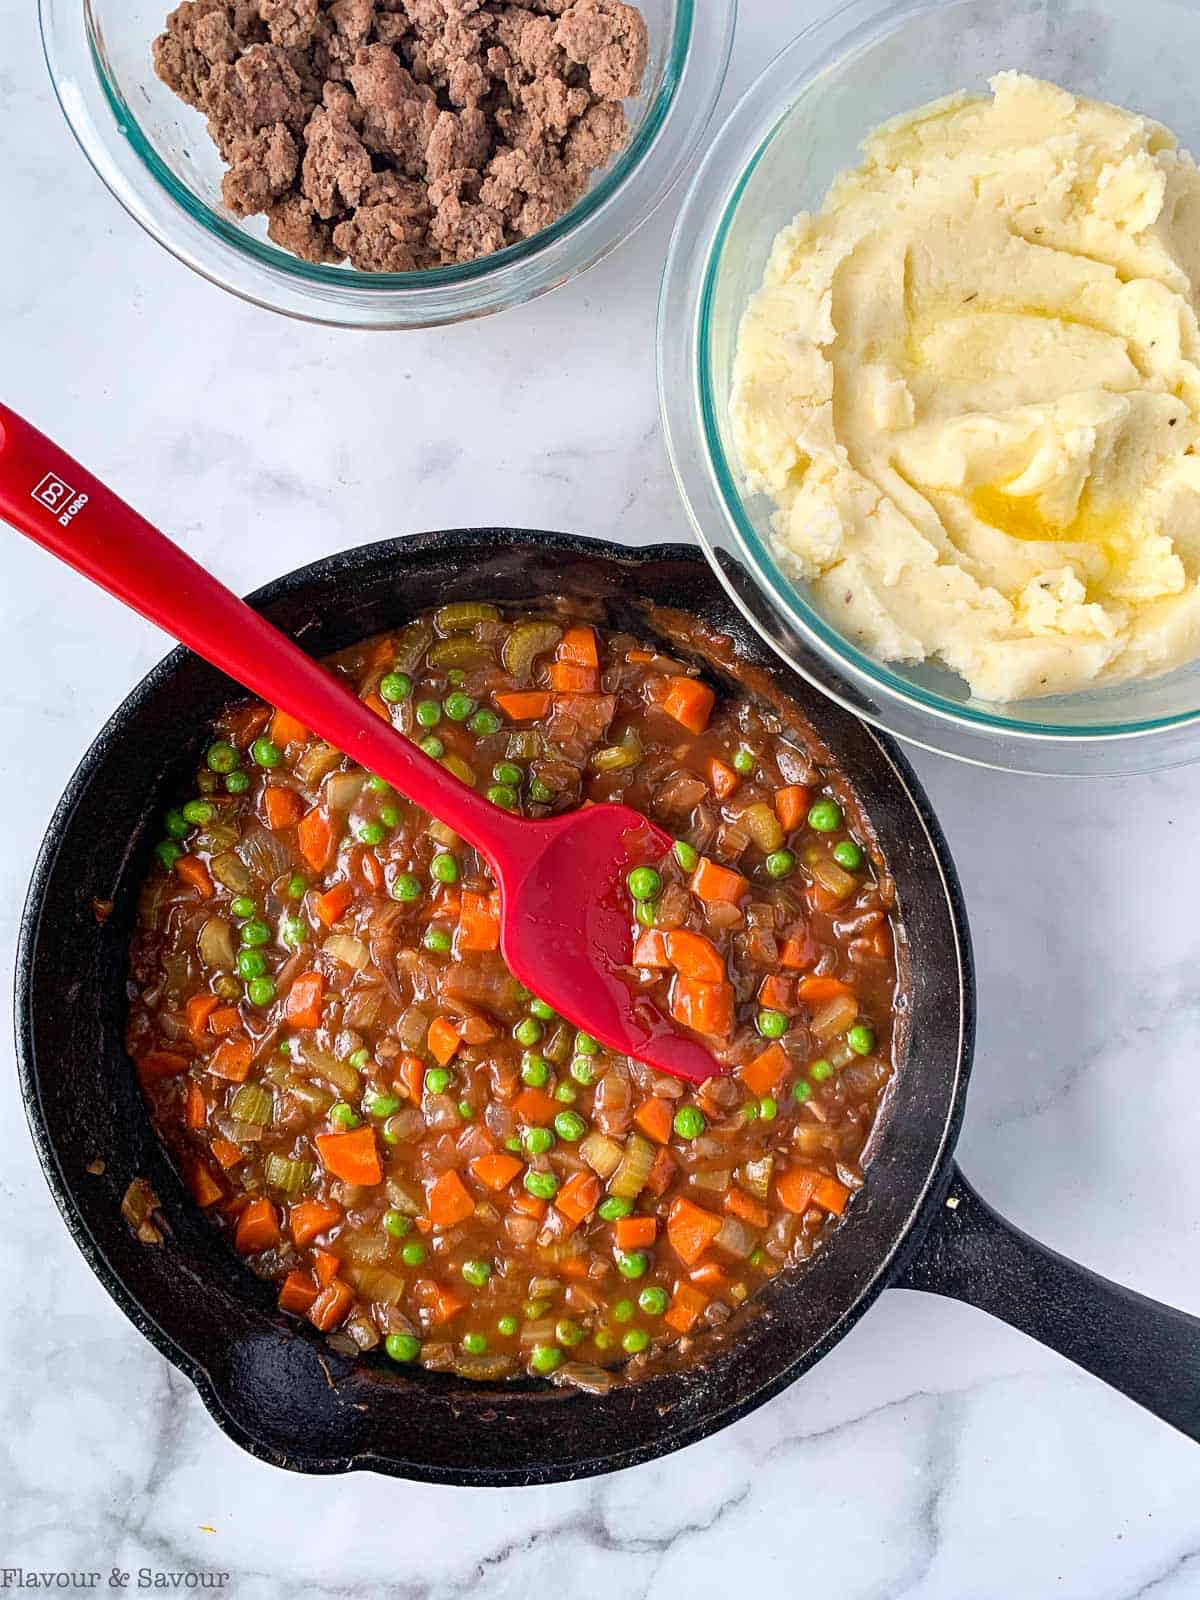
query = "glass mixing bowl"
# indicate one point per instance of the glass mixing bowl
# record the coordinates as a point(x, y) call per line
point(790, 135)
point(155, 154)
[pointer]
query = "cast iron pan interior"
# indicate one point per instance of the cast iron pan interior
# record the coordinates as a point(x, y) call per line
point(276, 1387)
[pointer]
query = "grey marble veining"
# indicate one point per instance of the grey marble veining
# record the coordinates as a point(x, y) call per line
point(934, 1455)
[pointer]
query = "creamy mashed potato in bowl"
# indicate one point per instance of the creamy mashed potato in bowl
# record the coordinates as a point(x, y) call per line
point(930, 373)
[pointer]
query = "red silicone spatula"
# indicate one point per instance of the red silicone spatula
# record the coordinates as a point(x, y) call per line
point(565, 909)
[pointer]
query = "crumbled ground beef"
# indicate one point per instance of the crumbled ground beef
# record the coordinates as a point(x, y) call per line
point(406, 134)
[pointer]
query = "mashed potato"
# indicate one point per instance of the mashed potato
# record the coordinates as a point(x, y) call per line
point(971, 385)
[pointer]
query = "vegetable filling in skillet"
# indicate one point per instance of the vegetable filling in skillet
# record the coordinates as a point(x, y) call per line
point(414, 1147)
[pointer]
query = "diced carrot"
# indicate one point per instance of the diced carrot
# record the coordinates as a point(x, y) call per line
point(691, 1229)
point(334, 903)
point(568, 677)
point(315, 836)
point(706, 1007)
point(443, 1040)
point(411, 1075)
point(535, 1106)
point(795, 1189)
point(524, 705)
point(653, 1117)
point(199, 1008)
point(204, 1188)
point(574, 1267)
point(193, 871)
point(307, 1219)
point(579, 1197)
point(195, 1107)
point(286, 730)
point(740, 1204)
point(449, 1201)
point(332, 1306)
point(658, 1179)
point(497, 1171)
point(376, 703)
point(231, 1059)
point(791, 806)
point(639, 658)
point(297, 1293)
point(690, 702)
point(352, 1156)
point(578, 644)
point(822, 899)
point(225, 1019)
point(816, 991)
point(798, 952)
point(764, 1074)
point(302, 1008)
point(281, 807)
point(476, 1030)
point(685, 1309)
point(713, 882)
point(478, 922)
point(446, 1303)
point(776, 994)
point(327, 1267)
point(708, 1275)
point(226, 1152)
point(163, 1064)
point(651, 950)
point(257, 1228)
point(528, 1205)
point(695, 956)
point(636, 1233)
point(367, 867)
point(722, 779)
point(831, 1194)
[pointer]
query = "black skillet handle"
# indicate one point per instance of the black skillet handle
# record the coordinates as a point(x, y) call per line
point(1148, 1351)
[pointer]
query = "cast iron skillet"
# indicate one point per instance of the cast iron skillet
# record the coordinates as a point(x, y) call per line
point(278, 1389)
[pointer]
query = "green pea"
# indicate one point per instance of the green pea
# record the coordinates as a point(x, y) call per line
point(780, 864)
point(406, 887)
point(861, 1039)
point(261, 991)
point(654, 1301)
point(749, 1111)
point(528, 1031)
point(293, 931)
point(456, 677)
point(825, 817)
point(437, 940)
point(243, 907)
point(466, 1110)
point(603, 1339)
point(485, 722)
point(644, 883)
point(538, 1141)
point(821, 1071)
point(396, 686)
point(508, 773)
point(380, 1105)
point(541, 1010)
point(744, 762)
point(615, 1207)
point(437, 1080)
point(771, 1024)
point(237, 783)
point(266, 752)
point(433, 747)
point(199, 813)
point(397, 1224)
point(540, 793)
point(370, 833)
point(544, 1358)
point(176, 825)
point(413, 1252)
point(542, 1185)
point(168, 853)
point(535, 1070)
point(689, 1122)
point(404, 1347)
point(847, 854)
point(429, 713)
point(569, 1125)
point(758, 1258)
point(444, 867)
point(359, 1058)
point(458, 706)
point(297, 888)
point(568, 1333)
point(635, 1341)
point(513, 1145)
point(507, 1326)
point(801, 1092)
point(623, 1311)
point(250, 964)
point(585, 1045)
point(647, 913)
point(344, 1117)
point(476, 1273)
point(475, 1344)
point(567, 1093)
point(533, 1309)
point(686, 855)
point(255, 933)
point(633, 1263)
point(222, 757)
point(378, 785)
point(768, 1109)
point(504, 796)
point(583, 1071)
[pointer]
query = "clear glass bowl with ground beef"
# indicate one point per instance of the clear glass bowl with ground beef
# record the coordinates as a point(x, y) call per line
point(518, 178)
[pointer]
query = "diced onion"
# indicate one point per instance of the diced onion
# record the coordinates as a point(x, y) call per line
point(231, 871)
point(755, 1176)
point(317, 762)
point(834, 1017)
point(349, 951)
point(833, 878)
point(342, 789)
point(735, 1239)
point(215, 944)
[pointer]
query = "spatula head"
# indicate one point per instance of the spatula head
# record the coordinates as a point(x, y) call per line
point(567, 934)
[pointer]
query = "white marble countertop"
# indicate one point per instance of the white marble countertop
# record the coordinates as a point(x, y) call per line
point(934, 1455)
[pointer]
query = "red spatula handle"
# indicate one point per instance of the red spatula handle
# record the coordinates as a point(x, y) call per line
point(61, 506)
